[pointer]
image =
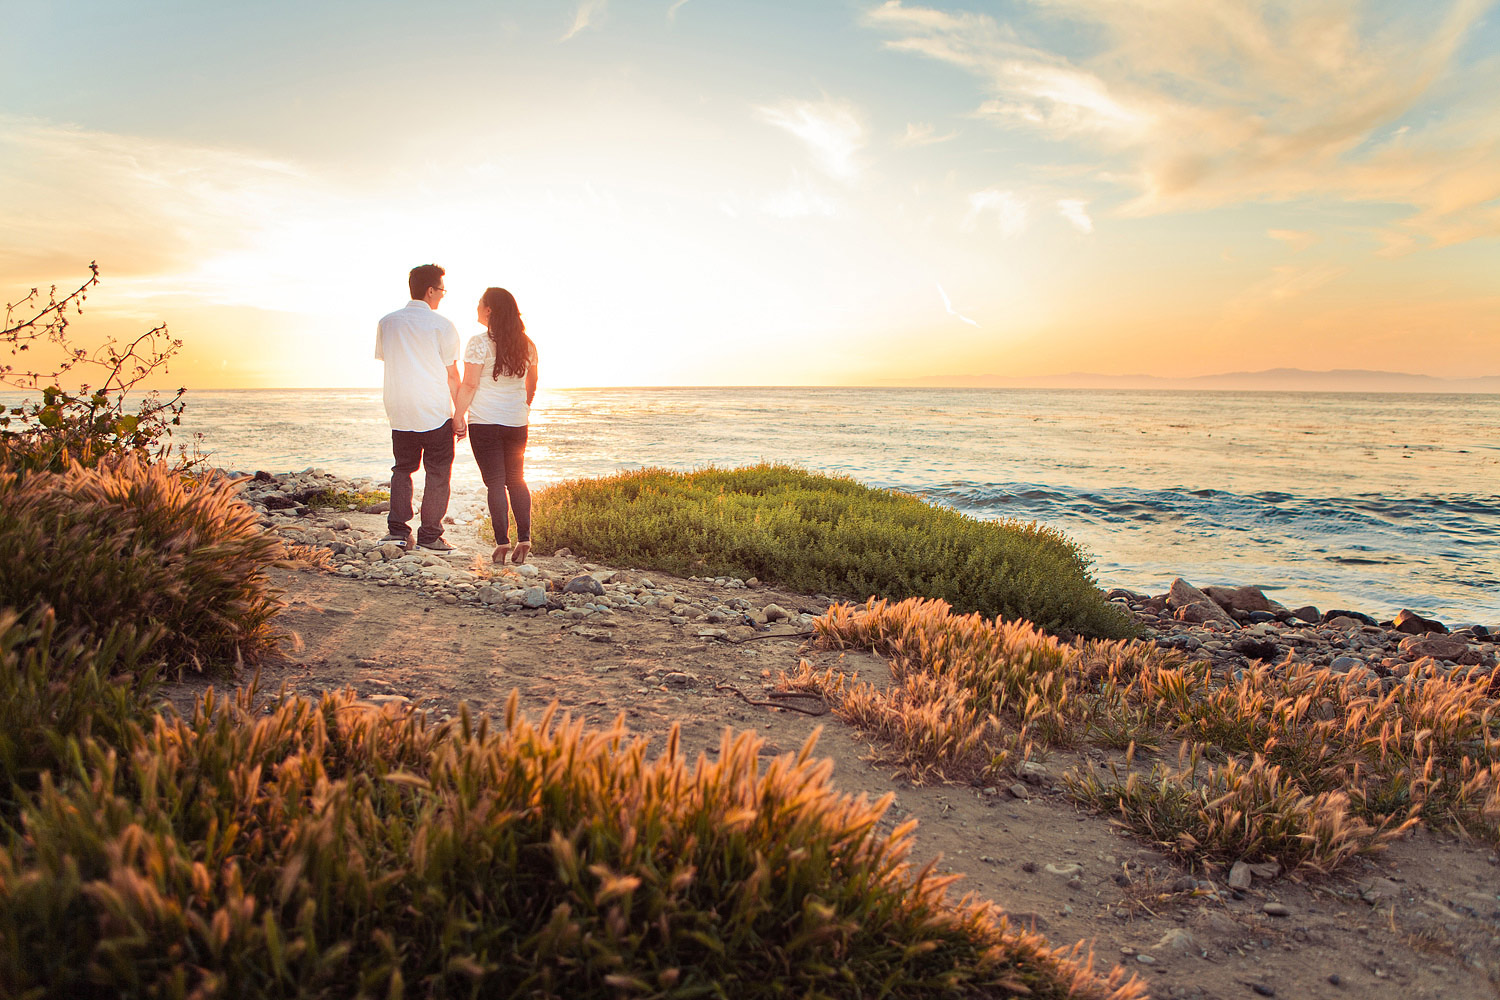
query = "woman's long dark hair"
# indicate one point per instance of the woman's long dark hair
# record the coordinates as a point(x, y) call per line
point(507, 333)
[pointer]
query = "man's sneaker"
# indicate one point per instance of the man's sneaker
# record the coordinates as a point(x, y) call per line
point(436, 545)
point(402, 540)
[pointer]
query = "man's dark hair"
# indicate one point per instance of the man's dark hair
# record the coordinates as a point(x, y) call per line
point(422, 278)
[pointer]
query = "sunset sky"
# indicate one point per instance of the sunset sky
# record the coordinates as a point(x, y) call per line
point(770, 192)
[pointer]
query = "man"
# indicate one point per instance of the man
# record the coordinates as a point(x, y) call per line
point(420, 350)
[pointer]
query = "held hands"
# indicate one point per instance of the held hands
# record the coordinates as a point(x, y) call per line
point(460, 428)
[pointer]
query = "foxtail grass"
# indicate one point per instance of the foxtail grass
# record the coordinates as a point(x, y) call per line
point(1289, 762)
point(329, 848)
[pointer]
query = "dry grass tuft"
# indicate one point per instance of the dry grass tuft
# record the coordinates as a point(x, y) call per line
point(1289, 761)
point(325, 844)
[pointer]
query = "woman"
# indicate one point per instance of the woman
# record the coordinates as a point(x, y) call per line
point(494, 403)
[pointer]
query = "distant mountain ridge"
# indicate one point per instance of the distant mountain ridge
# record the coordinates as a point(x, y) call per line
point(1270, 380)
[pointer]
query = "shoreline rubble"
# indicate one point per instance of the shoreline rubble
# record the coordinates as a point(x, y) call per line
point(1233, 627)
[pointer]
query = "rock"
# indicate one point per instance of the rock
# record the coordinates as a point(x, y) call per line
point(677, 678)
point(491, 595)
point(584, 584)
point(561, 553)
point(383, 507)
point(1032, 773)
point(526, 571)
point(1018, 791)
point(1245, 599)
point(391, 551)
point(1145, 959)
point(1363, 619)
point(534, 597)
point(1067, 869)
point(1344, 664)
point(1255, 649)
point(1307, 613)
point(1266, 869)
point(1184, 595)
point(774, 612)
point(1215, 920)
point(1437, 647)
point(1414, 624)
point(1177, 941)
point(1343, 623)
point(1201, 614)
point(1276, 910)
point(1240, 876)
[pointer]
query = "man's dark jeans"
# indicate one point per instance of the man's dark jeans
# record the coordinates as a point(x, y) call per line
point(433, 450)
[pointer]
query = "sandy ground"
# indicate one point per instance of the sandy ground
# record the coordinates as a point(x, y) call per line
point(1422, 922)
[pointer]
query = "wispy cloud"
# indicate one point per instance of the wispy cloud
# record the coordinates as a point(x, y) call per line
point(1294, 238)
point(586, 16)
point(672, 10)
point(948, 305)
point(1284, 283)
point(798, 200)
point(1076, 211)
point(832, 130)
point(1009, 209)
point(923, 134)
point(1210, 102)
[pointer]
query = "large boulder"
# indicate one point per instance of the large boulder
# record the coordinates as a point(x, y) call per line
point(1439, 648)
point(1190, 604)
point(1244, 599)
point(1414, 624)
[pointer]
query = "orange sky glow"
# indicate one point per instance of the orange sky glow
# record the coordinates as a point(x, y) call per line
point(689, 193)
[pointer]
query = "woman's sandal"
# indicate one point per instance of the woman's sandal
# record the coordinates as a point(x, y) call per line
point(498, 556)
point(519, 555)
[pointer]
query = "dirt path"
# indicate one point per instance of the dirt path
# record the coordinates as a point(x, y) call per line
point(1425, 922)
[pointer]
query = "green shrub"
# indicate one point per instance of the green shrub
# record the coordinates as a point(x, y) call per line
point(61, 686)
point(325, 849)
point(135, 543)
point(344, 499)
point(827, 534)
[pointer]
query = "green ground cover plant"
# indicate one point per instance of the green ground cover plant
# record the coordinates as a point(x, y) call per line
point(1289, 763)
point(345, 499)
point(826, 534)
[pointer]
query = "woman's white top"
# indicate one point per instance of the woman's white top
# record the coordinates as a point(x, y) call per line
point(497, 400)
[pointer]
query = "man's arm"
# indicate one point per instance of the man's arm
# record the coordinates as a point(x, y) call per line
point(454, 382)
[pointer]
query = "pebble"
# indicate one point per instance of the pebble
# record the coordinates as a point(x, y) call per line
point(1276, 910)
point(1067, 869)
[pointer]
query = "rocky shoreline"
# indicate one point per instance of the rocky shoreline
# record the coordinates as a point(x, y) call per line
point(1233, 627)
point(579, 592)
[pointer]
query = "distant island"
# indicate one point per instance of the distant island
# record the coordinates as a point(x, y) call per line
point(1272, 379)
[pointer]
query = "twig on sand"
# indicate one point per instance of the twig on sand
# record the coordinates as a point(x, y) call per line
point(779, 704)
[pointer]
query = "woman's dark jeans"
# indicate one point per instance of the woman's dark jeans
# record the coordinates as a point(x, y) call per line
point(500, 453)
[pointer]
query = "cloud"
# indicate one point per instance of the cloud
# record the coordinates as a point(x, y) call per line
point(1075, 210)
point(1294, 238)
point(1199, 103)
point(672, 10)
point(1284, 283)
point(831, 129)
point(923, 134)
point(948, 305)
point(798, 201)
point(586, 16)
point(1009, 209)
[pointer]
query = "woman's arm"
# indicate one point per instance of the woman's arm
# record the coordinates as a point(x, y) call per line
point(530, 383)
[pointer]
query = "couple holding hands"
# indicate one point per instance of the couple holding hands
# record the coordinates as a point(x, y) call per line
point(430, 407)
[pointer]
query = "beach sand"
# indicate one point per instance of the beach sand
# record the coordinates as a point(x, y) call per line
point(1424, 920)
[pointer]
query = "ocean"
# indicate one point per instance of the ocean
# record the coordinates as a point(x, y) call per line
point(1374, 502)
